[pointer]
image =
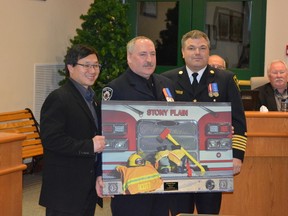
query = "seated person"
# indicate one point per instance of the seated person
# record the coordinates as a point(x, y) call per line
point(271, 94)
point(217, 61)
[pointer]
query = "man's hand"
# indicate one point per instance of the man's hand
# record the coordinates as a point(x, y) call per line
point(99, 143)
point(237, 164)
point(99, 186)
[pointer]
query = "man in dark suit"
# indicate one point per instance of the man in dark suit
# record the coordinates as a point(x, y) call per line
point(139, 83)
point(71, 135)
point(208, 85)
point(271, 94)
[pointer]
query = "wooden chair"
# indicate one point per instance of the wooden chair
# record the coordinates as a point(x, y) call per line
point(258, 81)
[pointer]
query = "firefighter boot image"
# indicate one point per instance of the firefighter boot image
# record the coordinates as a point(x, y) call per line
point(162, 163)
point(139, 176)
point(177, 160)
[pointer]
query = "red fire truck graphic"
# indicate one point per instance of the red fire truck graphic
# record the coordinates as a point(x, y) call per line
point(189, 144)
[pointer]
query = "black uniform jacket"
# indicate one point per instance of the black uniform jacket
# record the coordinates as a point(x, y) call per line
point(130, 86)
point(228, 92)
point(266, 97)
point(67, 128)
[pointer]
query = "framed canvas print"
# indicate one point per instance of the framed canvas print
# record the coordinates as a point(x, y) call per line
point(166, 147)
point(148, 9)
point(236, 26)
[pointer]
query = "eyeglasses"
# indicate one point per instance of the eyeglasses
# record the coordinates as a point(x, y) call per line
point(89, 66)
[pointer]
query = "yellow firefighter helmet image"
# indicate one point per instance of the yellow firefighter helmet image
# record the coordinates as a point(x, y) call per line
point(136, 160)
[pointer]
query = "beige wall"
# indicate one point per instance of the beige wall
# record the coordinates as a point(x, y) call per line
point(276, 31)
point(33, 31)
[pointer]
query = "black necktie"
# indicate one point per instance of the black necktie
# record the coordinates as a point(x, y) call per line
point(195, 82)
point(90, 102)
point(89, 96)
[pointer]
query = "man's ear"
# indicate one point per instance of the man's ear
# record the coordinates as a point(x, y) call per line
point(70, 68)
point(182, 51)
point(128, 58)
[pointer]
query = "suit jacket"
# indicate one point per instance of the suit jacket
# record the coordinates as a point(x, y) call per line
point(130, 86)
point(67, 128)
point(228, 92)
point(266, 97)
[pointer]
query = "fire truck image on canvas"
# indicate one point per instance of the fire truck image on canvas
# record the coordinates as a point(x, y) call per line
point(159, 147)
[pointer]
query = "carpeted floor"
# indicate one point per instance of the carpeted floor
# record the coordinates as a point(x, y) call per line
point(31, 191)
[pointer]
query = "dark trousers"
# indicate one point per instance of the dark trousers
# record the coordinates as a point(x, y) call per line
point(206, 203)
point(51, 212)
point(140, 205)
point(88, 209)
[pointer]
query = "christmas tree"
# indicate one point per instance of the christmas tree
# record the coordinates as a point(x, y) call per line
point(105, 27)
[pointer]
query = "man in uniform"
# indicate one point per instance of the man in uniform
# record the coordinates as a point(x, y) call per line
point(211, 85)
point(139, 83)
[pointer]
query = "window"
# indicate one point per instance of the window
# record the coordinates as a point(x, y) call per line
point(159, 22)
point(236, 29)
point(228, 26)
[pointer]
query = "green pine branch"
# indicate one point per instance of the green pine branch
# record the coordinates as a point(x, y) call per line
point(105, 27)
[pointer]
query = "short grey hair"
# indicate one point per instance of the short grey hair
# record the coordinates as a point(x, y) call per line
point(131, 43)
point(276, 61)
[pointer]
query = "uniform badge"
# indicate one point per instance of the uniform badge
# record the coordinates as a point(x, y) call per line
point(180, 72)
point(215, 90)
point(107, 93)
point(167, 95)
point(210, 92)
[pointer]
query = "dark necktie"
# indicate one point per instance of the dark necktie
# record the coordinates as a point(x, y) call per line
point(195, 82)
point(89, 96)
point(90, 102)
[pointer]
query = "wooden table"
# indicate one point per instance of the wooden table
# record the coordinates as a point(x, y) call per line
point(11, 169)
point(261, 188)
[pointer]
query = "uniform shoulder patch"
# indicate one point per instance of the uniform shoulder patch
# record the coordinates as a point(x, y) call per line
point(107, 93)
point(236, 81)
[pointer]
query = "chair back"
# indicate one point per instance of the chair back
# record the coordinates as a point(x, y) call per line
point(258, 81)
